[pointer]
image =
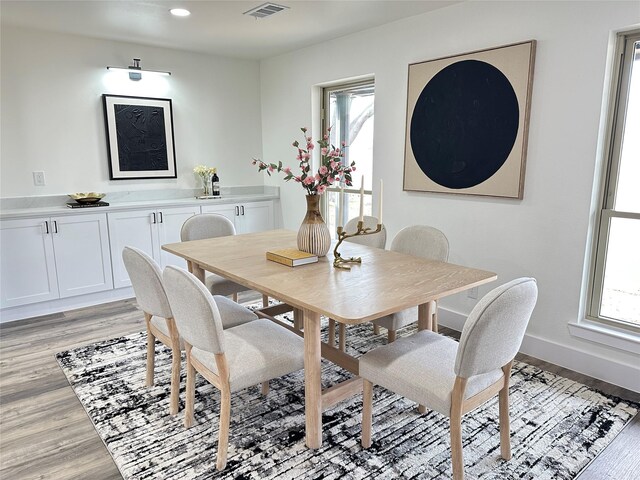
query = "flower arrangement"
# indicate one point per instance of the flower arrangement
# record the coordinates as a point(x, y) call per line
point(205, 174)
point(331, 168)
point(203, 171)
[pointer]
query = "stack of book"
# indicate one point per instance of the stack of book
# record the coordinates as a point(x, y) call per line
point(291, 257)
point(87, 205)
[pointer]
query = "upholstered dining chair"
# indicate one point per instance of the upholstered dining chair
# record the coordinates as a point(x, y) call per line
point(377, 240)
point(231, 360)
point(420, 241)
point(453, 378)
point(212, 225)
point(146, 279)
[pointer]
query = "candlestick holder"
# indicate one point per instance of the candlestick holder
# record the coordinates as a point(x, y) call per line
point(343, 263)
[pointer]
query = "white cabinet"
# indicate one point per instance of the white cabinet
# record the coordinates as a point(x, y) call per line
point(147, 230)
point(83, 260)
point(247, 217)
point(46, 258)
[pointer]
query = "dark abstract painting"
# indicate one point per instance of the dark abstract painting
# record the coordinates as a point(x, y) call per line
point(139, 137)
point(467, 119)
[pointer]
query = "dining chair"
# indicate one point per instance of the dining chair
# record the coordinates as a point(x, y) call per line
point(231, 359)
point(377, 240)
point(453, 378)
point(420, 241)
point(146, 279)
point(213, 225)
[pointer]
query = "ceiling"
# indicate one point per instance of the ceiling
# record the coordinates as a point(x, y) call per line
point(214, 27)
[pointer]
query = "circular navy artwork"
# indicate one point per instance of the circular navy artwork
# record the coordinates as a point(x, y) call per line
point(464, 124)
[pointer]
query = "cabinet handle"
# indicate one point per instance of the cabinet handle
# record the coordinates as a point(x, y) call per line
point(46, 227)
point(243, 210)
point(237, 211)
point(55, 226)
point(160, 213)
point(154, 217)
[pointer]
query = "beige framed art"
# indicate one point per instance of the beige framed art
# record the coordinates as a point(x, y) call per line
point(467, 122)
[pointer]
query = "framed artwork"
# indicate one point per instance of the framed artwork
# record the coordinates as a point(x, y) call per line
point(139, 137)
point(467, 122)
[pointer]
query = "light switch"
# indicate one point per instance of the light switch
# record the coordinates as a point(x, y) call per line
point(38, 179)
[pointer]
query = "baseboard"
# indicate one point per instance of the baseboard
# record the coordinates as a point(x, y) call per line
point(595, 366)
point(63, 304)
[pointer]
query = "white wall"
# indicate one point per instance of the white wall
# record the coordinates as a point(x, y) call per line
point(52, 115)
point(545, 235)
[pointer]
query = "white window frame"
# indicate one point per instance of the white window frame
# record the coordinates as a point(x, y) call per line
point(324, 121)
point(596, 327)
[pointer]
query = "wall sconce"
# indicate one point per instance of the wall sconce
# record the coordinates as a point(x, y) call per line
point(135, 70)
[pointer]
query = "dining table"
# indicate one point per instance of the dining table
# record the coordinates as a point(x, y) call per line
point(385, 282)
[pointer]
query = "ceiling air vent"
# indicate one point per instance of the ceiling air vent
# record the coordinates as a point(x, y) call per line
point(265, 10)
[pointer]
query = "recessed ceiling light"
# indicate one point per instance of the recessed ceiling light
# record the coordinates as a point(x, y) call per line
point(180, 12)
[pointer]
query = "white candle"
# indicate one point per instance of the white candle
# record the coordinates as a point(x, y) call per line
point(362, 199)
point(380, 205)
point(340, 209)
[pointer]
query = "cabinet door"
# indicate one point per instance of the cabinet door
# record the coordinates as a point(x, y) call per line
point(27, 266)
point(255, 217)
point(135, 228)
point(170, 222)
point(83, 261)
point(228, 210)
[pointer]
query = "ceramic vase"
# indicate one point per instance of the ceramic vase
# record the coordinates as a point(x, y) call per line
point(314, 236)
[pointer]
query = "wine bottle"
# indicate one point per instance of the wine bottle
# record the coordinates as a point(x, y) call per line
point(215, 184)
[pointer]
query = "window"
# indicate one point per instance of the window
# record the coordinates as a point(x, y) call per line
point(615, 274)
point(348, 110)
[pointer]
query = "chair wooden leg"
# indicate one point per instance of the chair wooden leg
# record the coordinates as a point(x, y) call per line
point(151, 351)
point(223, 436)
point(235, 297)
point(503, 406)
point(265, 300)
point(457, 460)
point(175, 381)
point(434, 319)
point(342, 336)
point(376, 329)
point(332, 333)
point(391, 336)
point(265, 388)
point(191, 391)
point(455, 418)
point(422, 409)
point(298, 322)
point(174, 403)
point(367, 408)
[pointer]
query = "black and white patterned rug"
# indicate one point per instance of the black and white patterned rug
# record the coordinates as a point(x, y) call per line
point(558, 426)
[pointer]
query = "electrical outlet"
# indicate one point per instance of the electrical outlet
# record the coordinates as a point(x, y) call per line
point(473, 293)
point(38, 179)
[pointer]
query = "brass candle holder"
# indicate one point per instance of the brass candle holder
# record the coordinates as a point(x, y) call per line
point(343, 263)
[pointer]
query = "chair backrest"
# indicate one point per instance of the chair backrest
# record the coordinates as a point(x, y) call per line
point(377, 240)
point(194, 310)
point(206, 225)
point(494, 330)
point(422, 241)
point(146, 279)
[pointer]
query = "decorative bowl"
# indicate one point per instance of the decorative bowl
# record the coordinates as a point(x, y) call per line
point(91, 197)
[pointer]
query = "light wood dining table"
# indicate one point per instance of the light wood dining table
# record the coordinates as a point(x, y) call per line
point(386, 282)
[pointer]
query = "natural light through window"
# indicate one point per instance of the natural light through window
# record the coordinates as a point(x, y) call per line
point(348, 110)
point(616, 282)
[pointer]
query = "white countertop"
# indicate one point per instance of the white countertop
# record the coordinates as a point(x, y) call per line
point(57, 205)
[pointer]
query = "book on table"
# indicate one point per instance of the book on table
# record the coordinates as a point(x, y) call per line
point(291, 257)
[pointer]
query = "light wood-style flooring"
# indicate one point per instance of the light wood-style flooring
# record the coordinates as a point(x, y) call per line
point(45, 433)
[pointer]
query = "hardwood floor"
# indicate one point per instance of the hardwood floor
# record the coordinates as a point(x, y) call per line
point(45, 433)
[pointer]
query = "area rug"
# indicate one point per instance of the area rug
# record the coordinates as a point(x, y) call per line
point(557, 426)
